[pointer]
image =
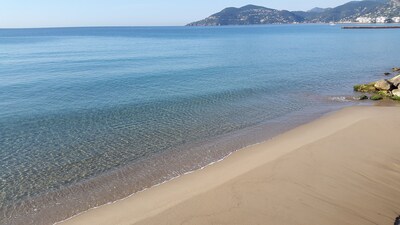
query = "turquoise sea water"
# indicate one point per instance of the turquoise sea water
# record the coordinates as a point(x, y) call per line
point(91, 115)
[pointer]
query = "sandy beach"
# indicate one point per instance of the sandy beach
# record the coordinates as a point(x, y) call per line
point(343, 168)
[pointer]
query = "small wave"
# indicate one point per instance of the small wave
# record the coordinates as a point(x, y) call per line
point(340, 99)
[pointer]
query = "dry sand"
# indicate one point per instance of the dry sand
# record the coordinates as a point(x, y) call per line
point(341, 169)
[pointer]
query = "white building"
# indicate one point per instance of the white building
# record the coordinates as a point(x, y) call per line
point(382, 19)
point(396, 19)
point(365, 20)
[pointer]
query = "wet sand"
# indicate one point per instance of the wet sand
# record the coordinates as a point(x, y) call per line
point(341, 169)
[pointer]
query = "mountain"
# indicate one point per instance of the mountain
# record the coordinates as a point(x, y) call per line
point(381, 1)
point(249, 14)
point(347, 12)
point(390, 9)
point(253, 15)
point(317, 10)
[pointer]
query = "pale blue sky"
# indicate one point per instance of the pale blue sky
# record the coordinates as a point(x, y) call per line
point(52, 13)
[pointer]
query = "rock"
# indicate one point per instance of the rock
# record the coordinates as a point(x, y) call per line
point(397, 222)
point(365, 88)
point(387, 74)
point(376, 97)
point(383, 85)
point(396, 92)
point(396, 69)
point(384, 93)
point(363, 97)
point(395, 80)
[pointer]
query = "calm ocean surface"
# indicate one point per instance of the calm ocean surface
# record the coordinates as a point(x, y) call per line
point(92, 115)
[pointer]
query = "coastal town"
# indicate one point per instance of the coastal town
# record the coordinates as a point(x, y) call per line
point(380, 19)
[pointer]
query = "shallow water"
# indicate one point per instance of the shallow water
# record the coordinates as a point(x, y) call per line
point(111, 111)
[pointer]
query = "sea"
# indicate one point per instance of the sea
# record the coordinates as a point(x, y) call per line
point(92, 115)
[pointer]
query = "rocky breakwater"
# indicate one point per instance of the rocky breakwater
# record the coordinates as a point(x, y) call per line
point(381, 89)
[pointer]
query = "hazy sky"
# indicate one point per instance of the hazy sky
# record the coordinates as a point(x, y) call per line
point(50, 13)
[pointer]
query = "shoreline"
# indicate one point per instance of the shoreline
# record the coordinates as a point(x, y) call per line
point(48, 211)
point(161, 198)
point(303, 117)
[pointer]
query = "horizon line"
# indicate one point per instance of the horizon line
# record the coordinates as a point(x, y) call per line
point(89, 26)
point(144, 26)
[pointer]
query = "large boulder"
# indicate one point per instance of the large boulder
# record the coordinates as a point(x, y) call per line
point(395, 80)
point(383, 85)
point(396, 69)
point(396, 92)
